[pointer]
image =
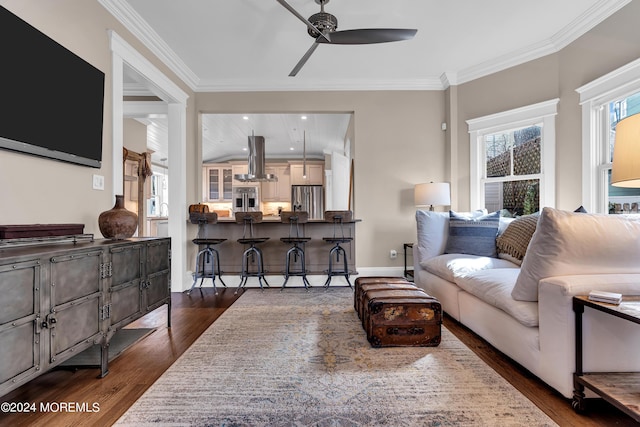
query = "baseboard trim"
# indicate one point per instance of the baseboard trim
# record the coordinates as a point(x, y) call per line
point(276, 280)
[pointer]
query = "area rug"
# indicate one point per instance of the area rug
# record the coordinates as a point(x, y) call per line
point(298, 358)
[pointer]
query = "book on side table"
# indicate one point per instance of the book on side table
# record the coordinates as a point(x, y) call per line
point(609, 297)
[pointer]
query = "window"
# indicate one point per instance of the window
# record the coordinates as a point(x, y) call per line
point(605, 102)
point(513, 159)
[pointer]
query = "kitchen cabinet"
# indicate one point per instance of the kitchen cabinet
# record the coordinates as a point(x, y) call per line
point(277, 191)
point(239, 169)
point(59, 299)
point(315, 174)
point(217, 185)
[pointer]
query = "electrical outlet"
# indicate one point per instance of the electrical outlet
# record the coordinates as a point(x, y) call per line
point(98, 182)
point(393, 254)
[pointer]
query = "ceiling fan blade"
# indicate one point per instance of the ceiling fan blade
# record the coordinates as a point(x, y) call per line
point(304, 59)
point(369, 35)
point(312, 27)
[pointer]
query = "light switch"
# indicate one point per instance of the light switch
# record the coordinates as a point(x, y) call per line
point(98, 182)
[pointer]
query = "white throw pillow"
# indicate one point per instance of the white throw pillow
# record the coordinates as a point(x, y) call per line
point(567, 243)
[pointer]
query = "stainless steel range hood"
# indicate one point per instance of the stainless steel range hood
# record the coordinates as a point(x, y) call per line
point(256, 161)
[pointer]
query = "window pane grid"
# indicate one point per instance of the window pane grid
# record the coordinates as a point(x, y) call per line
point(513, 170)
point(514, 152)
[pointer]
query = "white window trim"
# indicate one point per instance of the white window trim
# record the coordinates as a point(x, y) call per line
point(544, 112)
point(616, 84)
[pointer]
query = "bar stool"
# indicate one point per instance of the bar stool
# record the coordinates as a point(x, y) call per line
point(338, 218)
point(297, 250)
point(208, 255)
point(252, 252)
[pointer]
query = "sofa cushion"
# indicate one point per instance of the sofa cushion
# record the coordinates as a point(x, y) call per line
point(566, 243)
point(473, 236)
point(433, 230)
point(432, 233)
point(449, 266)
point(513, 242)
point(494, 287)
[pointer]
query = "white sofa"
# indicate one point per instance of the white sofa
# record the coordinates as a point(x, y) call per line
point(569, 254)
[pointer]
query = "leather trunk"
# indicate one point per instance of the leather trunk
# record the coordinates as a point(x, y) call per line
point(371, 287)
point(409, 321)
point(360, 281)
point(388, 294)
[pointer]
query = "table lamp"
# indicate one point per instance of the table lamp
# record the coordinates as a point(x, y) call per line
point(625, 170)
point(432, 193)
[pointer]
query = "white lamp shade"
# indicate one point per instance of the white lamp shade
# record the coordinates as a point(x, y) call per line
point(625, 171)
point(432, 194)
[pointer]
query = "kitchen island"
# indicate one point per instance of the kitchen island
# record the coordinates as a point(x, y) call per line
point(274, 251)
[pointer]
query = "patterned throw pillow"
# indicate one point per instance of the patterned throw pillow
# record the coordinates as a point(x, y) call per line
point(473, 236)
point(515, 239)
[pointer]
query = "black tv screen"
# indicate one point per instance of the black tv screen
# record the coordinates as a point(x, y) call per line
point(51, 100)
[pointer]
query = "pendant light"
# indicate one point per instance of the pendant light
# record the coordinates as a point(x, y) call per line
point(304, 154)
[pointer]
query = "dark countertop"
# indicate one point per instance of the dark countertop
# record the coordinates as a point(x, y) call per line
point(276, 220)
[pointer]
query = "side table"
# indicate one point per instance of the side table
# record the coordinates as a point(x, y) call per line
point(621, 389)
point(408, 272)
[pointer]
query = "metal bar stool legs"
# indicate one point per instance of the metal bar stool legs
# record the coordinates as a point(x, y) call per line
point(208, 255)
point(256, 253)
point(338, 218)
point(337, 250)
point(294, 219)
point(296, 252)
point(252, 252)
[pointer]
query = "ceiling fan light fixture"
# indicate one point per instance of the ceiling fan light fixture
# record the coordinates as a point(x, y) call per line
point(322, 26)
point(323, 21)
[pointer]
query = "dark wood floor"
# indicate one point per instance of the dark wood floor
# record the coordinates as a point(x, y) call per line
point(140, 365)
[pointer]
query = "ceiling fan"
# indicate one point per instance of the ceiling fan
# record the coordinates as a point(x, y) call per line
point(322, 26)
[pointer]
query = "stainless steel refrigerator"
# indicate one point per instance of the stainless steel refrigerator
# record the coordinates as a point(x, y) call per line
point(308, 198)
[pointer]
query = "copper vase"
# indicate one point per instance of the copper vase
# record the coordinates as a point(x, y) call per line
point(118, 223)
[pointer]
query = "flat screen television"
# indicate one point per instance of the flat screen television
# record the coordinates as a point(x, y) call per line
point(51, 100)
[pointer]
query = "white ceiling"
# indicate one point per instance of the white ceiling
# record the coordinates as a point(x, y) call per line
point(252, 45)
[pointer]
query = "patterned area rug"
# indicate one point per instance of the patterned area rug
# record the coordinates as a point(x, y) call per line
point(297, 358)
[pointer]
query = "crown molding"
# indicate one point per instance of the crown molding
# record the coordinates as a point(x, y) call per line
point(448, 79)
point(585, 22)
point(133, 22)
point(297, 84)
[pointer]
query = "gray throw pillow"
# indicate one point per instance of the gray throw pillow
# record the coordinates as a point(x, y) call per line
point(473, 236)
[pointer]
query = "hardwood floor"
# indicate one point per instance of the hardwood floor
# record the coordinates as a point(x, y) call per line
point(140, 365)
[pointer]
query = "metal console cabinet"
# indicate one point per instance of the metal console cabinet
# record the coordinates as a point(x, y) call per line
point(60, 299)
